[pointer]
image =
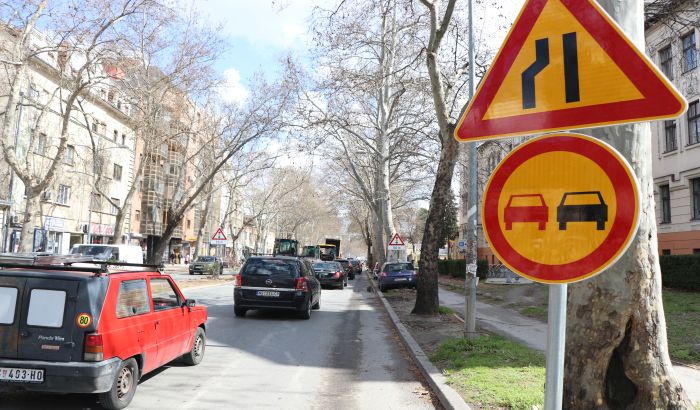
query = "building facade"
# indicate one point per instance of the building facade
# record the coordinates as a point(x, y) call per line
point(672, 43)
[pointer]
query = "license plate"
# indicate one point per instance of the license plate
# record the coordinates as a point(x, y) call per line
point(268, 293)
point(400, 279)
point(10, 374)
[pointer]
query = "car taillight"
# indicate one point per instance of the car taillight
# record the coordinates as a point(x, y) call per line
point(338, 274)
point(384, 274)
point(93, 349)
point(238, 281)
point(301, 285)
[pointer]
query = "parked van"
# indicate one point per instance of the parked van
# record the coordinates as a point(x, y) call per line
point(113, 252)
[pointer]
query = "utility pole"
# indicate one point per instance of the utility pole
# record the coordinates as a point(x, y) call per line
point(472, 204)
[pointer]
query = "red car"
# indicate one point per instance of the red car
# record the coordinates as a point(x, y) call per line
point(526, 213)
point(93, 329)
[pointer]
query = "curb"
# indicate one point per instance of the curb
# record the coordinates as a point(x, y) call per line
point(448, 397)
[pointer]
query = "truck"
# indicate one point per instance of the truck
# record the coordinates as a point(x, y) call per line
point(336, 242)
point(286, 247)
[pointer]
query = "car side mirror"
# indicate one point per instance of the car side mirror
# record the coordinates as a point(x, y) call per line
point(189, 303)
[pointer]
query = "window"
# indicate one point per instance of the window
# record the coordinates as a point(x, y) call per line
point(137, 215)
point(665, 252)
point(46, 308)
point(114, 209)
point(690, 53)
point(116, 135)
point(695, 197)
point(666, 61)
point(123, 139)
point(164, 296)
point(8, 303)
point(665, 198)
point(132, 299)
point(96, 202)
point(696, 251)
point(670, 135)
point(69, 155)
point(693, 123)
point(117, 174)
point(189, 224)
point(93, 127)
point(63, 195)
point(41, 144)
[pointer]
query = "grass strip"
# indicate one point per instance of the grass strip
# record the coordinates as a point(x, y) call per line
point(682, 311)
point(491, 371)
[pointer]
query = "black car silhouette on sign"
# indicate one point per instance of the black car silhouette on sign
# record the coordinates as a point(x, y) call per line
point(593, 212)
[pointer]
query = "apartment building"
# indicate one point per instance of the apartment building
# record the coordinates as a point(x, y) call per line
point(672, 43)
point(98, 158)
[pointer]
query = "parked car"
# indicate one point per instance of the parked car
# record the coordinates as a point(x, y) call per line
point(331, 274)
point(397, 275)
point(277, 282)
point(116, 252)
point(93, 330)
point(356, 267)
point(207, 265)
point(347, 268)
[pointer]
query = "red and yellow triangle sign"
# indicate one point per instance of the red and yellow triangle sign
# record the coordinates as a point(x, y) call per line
point(566, 64)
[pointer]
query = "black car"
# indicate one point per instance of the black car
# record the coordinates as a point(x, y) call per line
point(356, 266)
point(331, 274)
point(347, 267)
point(277, 282)
point(594, 211)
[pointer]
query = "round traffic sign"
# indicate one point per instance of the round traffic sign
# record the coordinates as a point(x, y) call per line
point(561, 208)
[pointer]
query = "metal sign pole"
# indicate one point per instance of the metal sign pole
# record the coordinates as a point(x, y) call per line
point(556, 338)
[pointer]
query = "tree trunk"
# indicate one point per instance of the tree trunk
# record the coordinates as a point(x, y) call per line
point(427, 302)
point(32, 211)
point(379, 248)
point(162, 243)
point(202, 225)
point(617, 317)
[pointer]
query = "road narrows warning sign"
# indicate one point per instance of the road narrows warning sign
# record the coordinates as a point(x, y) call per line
point(219, 238)
point(561, 208)
point(566, 64)
point(396, 243)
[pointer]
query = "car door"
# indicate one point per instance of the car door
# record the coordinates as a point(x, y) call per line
point(313, 282)
point(46, 320)
point(135, 322)
point(171, 320)
point(11, 290)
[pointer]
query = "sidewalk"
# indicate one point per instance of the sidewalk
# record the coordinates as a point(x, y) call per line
point(533, 333)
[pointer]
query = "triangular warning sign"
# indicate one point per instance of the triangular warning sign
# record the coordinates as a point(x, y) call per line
point(396, 241)
point(219, 235)
point(566, 64)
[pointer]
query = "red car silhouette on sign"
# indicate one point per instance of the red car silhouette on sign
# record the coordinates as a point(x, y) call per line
point(527, 213)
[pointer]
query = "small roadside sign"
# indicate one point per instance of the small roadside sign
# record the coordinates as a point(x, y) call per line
point(561, 208)
point(396, 243)
point(566, 64)
point(219, 238)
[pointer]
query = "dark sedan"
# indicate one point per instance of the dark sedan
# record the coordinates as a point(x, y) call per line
point(207, 265)
point(397, 275)
point(356, 266)
point(279, 282)
point(331, 274)
point(347, 268)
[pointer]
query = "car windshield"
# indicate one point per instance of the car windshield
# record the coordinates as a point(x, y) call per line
point(206, 259)
point(344, 263)
point(354, 262)
point(588, 198)
point(326, 266)
point(398, 267)
point(269, 267)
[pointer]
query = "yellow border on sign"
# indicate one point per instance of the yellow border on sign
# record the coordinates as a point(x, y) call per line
point(631, 233)
point(669, 84)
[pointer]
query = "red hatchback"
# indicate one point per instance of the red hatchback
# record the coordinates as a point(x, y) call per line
point(92, 329)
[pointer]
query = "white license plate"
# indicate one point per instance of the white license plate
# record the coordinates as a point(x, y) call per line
point(400, 279)
point(268, 293)
point(11, 374)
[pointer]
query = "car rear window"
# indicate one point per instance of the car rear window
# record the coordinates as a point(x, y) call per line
point(8, 301)
point(206, 259)
point(46, 308)
point(270, 267)
point(325, 266)
point(132, 299)
point(397, 267)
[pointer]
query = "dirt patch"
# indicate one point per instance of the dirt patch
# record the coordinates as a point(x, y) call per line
point(198, 283)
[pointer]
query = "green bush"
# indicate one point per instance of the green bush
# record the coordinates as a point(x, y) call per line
point(457, 268)
point(680, 271)
point(482, 268)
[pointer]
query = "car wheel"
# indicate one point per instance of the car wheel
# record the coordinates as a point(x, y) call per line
point(123, 387)
point(195, 356)
point(317, 306)
point(306, 313)
point(240, 312)
point(191, 273)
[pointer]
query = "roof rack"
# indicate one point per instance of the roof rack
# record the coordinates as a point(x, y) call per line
point(96, 270)
point(47, 261)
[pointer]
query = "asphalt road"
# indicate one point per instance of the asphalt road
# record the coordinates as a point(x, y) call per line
point(345, 357)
